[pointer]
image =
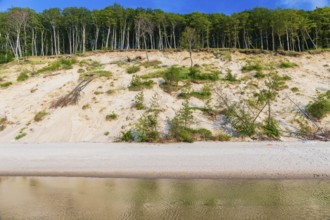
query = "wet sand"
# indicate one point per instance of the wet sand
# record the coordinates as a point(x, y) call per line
point(199, 160)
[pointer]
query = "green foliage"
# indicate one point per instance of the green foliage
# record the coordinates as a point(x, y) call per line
point(106, 133)
point(62, 64)
point(133, 69)
point(6, 58)
point(294, 89)
point(23, 76)
point(285, 65)
point(3, 123)
point(87, 106)
point(127, 136)
point(320, 107)
point(259, 75)
point(152, 63)
point(111, 117)
point(241, 120)
point(230, 77)
point(223, 137)
point(102, 73)
point(271, 128)
point(146, 129)
point(40, 116)
point(139, 101)
point(154, 105)
point(20, 136)
point(195, 74)
point(137, 84)
point(5, 84)
point(205, 93)
point(252, 67)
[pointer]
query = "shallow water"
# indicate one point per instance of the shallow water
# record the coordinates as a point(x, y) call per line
point(92, 198)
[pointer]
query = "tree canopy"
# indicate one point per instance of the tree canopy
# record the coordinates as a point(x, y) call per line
point(23, 32)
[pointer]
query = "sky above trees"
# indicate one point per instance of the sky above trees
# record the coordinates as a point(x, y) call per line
point(177, 6)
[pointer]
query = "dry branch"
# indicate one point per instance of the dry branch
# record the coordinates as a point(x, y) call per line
point(73, 97)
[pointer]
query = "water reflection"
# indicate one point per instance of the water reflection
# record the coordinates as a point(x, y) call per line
point(89, 198)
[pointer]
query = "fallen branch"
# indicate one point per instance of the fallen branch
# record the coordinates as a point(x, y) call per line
point(73, 97)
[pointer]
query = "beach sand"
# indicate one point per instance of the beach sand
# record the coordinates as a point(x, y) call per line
point(198, 160)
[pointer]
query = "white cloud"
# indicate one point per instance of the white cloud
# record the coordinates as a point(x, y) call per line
point(313, 3)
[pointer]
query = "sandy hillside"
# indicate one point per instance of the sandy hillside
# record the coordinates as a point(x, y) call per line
point(86, 121)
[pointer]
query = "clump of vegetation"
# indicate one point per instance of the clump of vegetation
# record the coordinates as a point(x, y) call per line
point(230, 77)
point(139, 101)
point(260, 75)
point(3, 123)
point(62, 64)
point(87, 106)
point(106, 133)
point(320, 107)
point(145, 130)
point(6, 58)
point(205, 93)
point(223, 137)
point(252, 67)
point(152, 63)
point(23, 76)
point(133, 69)
point(20, 136)
point(294, 89)
point(137, 84)
point(180, 127)
point(5, 84)
point(271, 128)
point(81, 71)
point(154, 105)
point(40, 116)
point(285, 65)
point(174, 74)
point(111, 117)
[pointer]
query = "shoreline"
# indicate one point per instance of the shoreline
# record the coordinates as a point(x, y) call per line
point(201, 160)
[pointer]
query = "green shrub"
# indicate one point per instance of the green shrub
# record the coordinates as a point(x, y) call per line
point(252, 67)
point(23, 76)
point(61, 64)
point(195, 74)
point(81, 71)
point(259, 75)
point(6, 58)
point(285, 65)
point(223, 137)
point(230, 77)
point(133, 69)
point(294, 89)
point(205, 93)
point(40, 116)
point(145, 130)
point(111, 117)
point(139, 101)
point(87, 106)
point(20, 136)
point(3, 123)
point(137, 84)
point(241, 120)
point(6, 84)
point(152, 63)
point(106, 133)
point(127, 136)
point(320, 107)
point(271, 128)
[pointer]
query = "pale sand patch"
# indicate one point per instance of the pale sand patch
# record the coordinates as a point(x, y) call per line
point(198, 160)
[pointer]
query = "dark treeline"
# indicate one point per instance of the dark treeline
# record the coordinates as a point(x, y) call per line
point(23, 32)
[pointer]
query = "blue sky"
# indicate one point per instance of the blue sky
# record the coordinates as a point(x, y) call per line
point(177, 6)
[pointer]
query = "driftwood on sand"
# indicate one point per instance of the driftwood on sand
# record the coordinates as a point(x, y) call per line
point(71, 98)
